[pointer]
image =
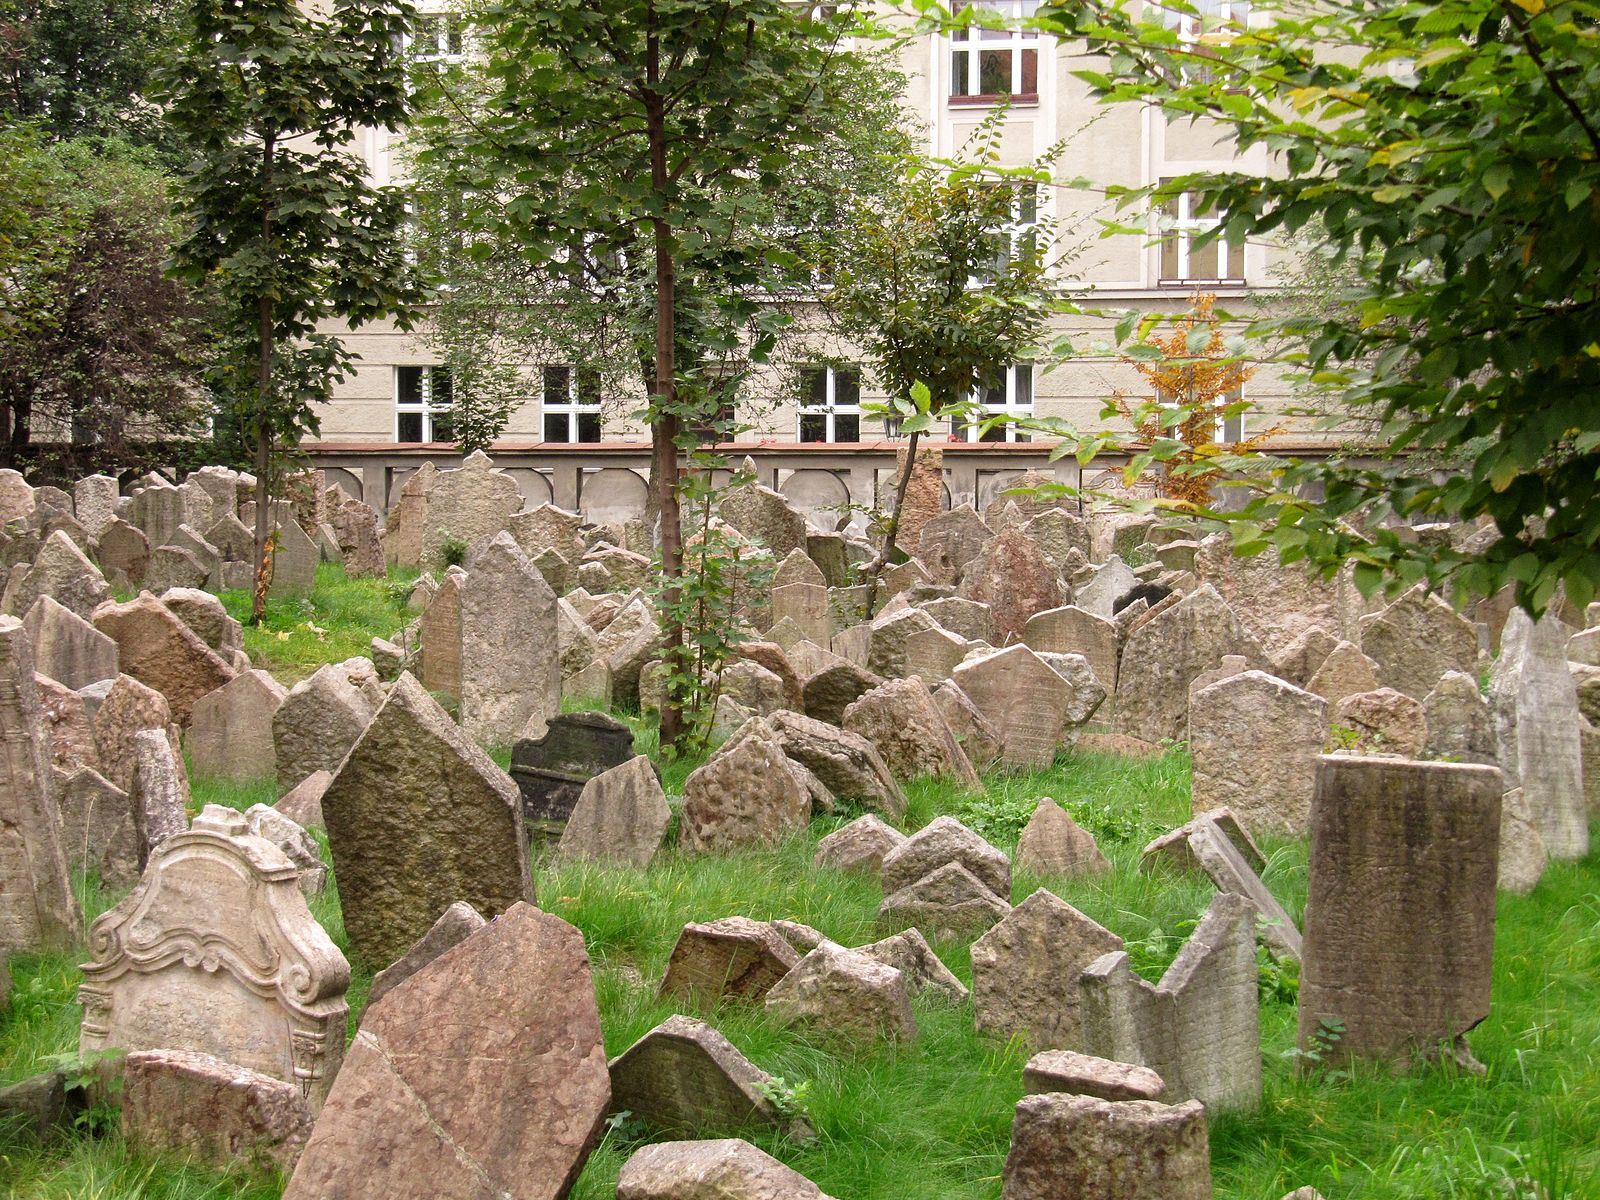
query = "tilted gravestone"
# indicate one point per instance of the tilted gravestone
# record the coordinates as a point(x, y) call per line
point(1068, 1146)
point(215, 952)
point(1399, 937)
point(551, 771)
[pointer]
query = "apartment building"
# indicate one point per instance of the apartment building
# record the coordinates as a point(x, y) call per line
point(400, 395)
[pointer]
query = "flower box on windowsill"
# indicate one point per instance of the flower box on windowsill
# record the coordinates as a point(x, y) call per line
point(1018, 100)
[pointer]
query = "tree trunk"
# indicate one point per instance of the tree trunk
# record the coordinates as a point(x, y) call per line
point(664, 428)
point(263, 423)
point(892, 528)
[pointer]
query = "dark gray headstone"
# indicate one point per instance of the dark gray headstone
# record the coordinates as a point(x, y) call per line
point(551, 771)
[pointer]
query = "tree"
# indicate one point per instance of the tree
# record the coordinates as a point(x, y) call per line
point(1452, 149)
point(940, 293)
point(105, 352)
point(284, 226)
point(84, 68)
point(639, 146)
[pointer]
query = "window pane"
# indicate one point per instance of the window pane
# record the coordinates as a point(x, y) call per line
point(555, 427)
point(958, 73)
point(813, 386)
point(994, 72)
point(556, 386)
point(1030, 73)
point(588, 387)
point(409, 388)
point(443, 387)
point(997, 434)
point(444, 429)
point(1235, 261)
point(813, 428)
point(1169, 256)
point(1024, 392)
point(1233, 428)
point(588, 427)
point(992, 392)
point(1203, 261)
point(410, 427)
point(846, 387)
point(847, 428)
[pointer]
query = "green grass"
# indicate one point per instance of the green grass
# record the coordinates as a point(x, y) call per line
point(930, 1120)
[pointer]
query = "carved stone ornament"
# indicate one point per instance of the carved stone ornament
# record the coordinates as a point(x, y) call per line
point(216, 952)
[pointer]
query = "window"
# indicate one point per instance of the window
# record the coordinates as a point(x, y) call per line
point(717, 428)
point(830, 404)
point(1230, 426)
point(437, 37)
point(422, 401)
point(1019, 238)
point(986, 64)
point(571, 405)
point(1181, 222)
point(1213, 22)
point(1009, 393)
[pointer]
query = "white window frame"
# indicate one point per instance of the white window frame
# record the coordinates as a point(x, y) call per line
point(1181, 230)
point(1208, 22)
point(831, 408)
point(973, 42)
point(444, 25)
point(1012, 406)
point(1220, 434)
point(572, 408)
point(426, 407)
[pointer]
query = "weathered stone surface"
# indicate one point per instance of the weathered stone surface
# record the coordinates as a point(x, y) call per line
point(1027, 702)
point(440, 633)
point(204, 614)
point(1276, 601)
point(946, 840)
point(1084, 1075)
point(418, 817)
point(1073, 630)
point(752, 686)
point(685, 1078)
point(1058, 533)
point(124, 553)
point(1399, 941)
point(797, 567)
point(302, 803)
point(510, 659)
point(1344, 672)
point(846, 763)
point(179, 1102)
point(1014, 578)
point(552, 771)
point(66, 647)
point(765, 516)
point(101, 830)
point(471, 503)
point(1200, 1028)
point(1100, 594)
point(1217, 854)
point(215, 952)
point(322, 716)
point(1460, 724)
point(1417, 639)
point(294, 560)
point(902, 722)
point(772, 656)
point(621, 816)
point(38, 910)
point(355, 528)
point(743, 795)
point(1052, 843)
point(1538, 730)
point(1173, 850)
point(1255, 739)
point(625, 645)
point(974, 733)
point(1025, 972)
point(859, 846)
point(128, 708)
point(950, 902)
point(483, 1076)
point(846, 992)
point(1065, 1146)
point(160, 651)
point(230, 731)
point(1386, 722)
point(950, 541)
point(887, 652)
point(454, 926)
point(831, 690)
point(1163, 656)
point(94, 502)
point(909, 953)
point(734, 956)
point(1298, 660)
point(710, 1170)
point(66, 722)
point(807, 605)
point(63, 572)
point(298, 846)
point(1522, 852)
point(41, 1107)
point(971, 620)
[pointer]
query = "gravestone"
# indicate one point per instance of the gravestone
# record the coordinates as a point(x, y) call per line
point(1073, 630)
point(845, 992)
point(216, 953)
point(1012, 576)
point(454, 926)
point(1200, 1027)
point(321, 717)
point(967, 619)
point(1163, 656)
point(62, 572)
point(859, 846)
point(418, 817)
point(904, 725)
point(1254, 740)
point(127, 709)
point(1052, 843)
point(1070, 1146)
point(728, 1169)
point(621, 816)
point(806, 604)
point(1345, 671)
point(94, 502)
point(1416, 640)
point(483, 1075)
point(946, 840)
point(925, 973)
point(948, 542)
point(551, 772)
point(950, 902)
point(160, 651)
point(123, 552)
point(829, 691)
point(440, 634)
point(1399, 938)
point(510, 659)
point(1217, 853)
point(1085, 1075)
point(230, 734)
point(1460, 723)
point(730, 957)
point(38, 910)
point(1387, 722)
point(160, 788)
point(472, 502)
point(294, 560)
point(846, 763)
point(932, 655)
point(1025, 972)
point(745, 794)
point(101, 830)
point(66, 647)
point(1027, 702)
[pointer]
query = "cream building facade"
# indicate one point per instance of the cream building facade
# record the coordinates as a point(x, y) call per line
point(398, 396)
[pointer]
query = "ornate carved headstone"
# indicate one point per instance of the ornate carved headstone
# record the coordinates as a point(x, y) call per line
point(215, 952)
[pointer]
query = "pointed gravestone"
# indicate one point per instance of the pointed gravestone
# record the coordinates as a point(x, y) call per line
point(1027, 702)
point(321, 717)
point(1052, 843)
point(37, 908)
point(230, 733)
point(1200, 1027)
point(294, 561)
point(483, 1075)
point(1013, 577)
point(1163, 656)
point(418, 817)
point(454, 926)
point(160, 651)
point(621, 816)
point(1254, 739)
point(745, 794)
point(127, 709)
point(160, 789)
point(952, 540)
point(473, 502)
point(552, 771)
point(123, 553)
point(94, 501)
point(61, 571)
point(1073, 630)
point(1416, 640)
point(101, 831)
point(510, 660)
point(215, 952)
point(66, 647)
point(904, 725)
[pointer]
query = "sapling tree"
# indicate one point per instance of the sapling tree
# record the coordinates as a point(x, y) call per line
point(284, 227)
